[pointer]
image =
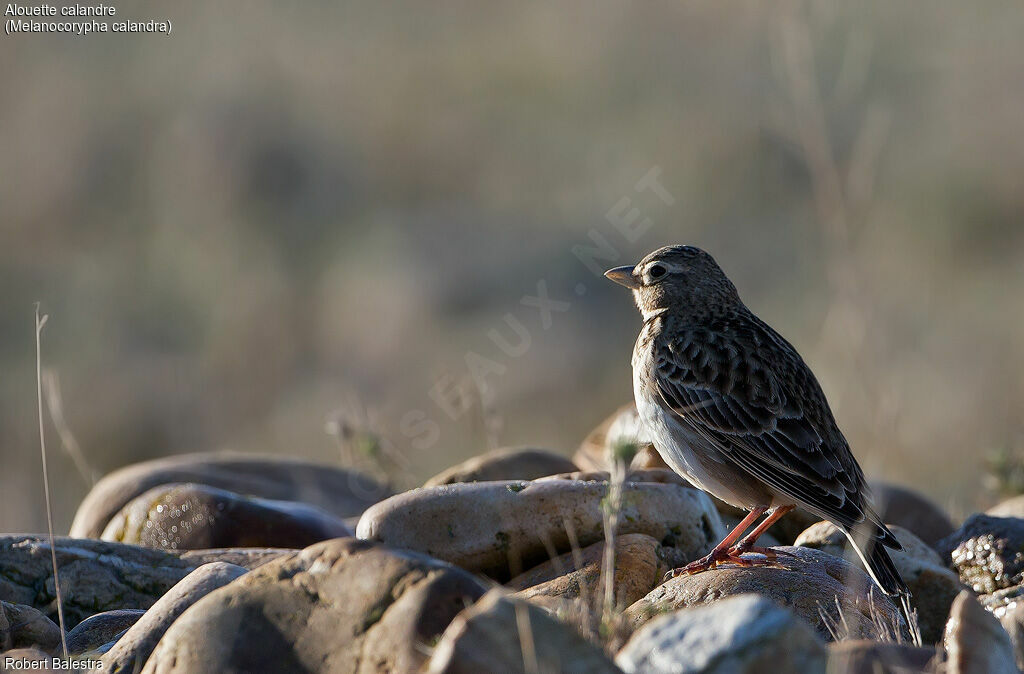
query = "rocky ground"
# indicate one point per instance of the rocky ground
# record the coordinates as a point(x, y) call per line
point(505, 563)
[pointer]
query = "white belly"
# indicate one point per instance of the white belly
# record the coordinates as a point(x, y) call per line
point(679, 447)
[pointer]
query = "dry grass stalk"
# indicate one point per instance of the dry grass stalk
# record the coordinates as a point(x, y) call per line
point(612, 509)
point(525, 629)
point(55, 406)
point(40, 322)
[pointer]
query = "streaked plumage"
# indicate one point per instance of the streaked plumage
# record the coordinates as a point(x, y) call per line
point(732, 406)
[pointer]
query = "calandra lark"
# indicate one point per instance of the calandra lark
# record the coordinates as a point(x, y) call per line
point(731, 406)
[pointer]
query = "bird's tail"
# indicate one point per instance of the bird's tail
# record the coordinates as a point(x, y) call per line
point(881, 569)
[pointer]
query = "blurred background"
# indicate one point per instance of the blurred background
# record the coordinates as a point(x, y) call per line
point(290, 222)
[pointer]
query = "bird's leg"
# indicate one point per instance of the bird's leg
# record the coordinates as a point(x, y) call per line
point(747, 544)
point(721, 552)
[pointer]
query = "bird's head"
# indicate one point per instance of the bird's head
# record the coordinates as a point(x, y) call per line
point(681, 279)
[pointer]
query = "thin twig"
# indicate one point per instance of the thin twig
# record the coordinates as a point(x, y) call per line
point(613, 505)
point(553, 556)
point(574, 543)
point(529, 651)
point(55, 406)
point(40, 322)
point(830, 623)
point(585, 603)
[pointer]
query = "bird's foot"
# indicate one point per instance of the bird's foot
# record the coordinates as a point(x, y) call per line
point(710, 561)
point(733, 555)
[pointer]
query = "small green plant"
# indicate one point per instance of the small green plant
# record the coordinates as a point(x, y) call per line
point(622, 451)
point(363, 446)
point(503, 540)
point(1006, 469)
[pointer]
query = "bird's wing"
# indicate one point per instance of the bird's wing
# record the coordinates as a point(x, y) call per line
point(746, 391)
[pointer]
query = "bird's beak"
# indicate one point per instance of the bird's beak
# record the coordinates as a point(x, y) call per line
point(623, 276)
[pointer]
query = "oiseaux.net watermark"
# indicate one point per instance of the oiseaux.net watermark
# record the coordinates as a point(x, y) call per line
point(511, 338)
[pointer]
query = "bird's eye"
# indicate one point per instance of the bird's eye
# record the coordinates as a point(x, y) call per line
point(656, 271)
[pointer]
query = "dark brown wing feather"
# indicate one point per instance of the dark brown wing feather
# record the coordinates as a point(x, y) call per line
point(742, 387)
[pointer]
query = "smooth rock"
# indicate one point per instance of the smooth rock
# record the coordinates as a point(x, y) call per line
point(103, 648)
point(912, 511)
point(197, 517)
point(23, 626)
point(342, 493)
point(1008, 607)
point(621, 434)
point(502, 634)
point(810, 584)
point(1012, 507)
point(247, 558)
point(975, 641)
point(338, 606)
point(95, 576)
point(653, 475)
point(130, 652)
point(788, 527)
point(744, 634)
point(987, 552)
point(932, 584)
point(501, 528)
point(638, 569)
point(99, 629)
point(871, 657)
point(510, 463)
point(29, 659)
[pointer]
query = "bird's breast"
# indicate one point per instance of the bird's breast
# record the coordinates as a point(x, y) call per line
point(690, 454)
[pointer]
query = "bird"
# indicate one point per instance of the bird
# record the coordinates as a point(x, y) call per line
point(732, 407)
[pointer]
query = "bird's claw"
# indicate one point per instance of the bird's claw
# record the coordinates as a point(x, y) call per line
point(734, 556)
